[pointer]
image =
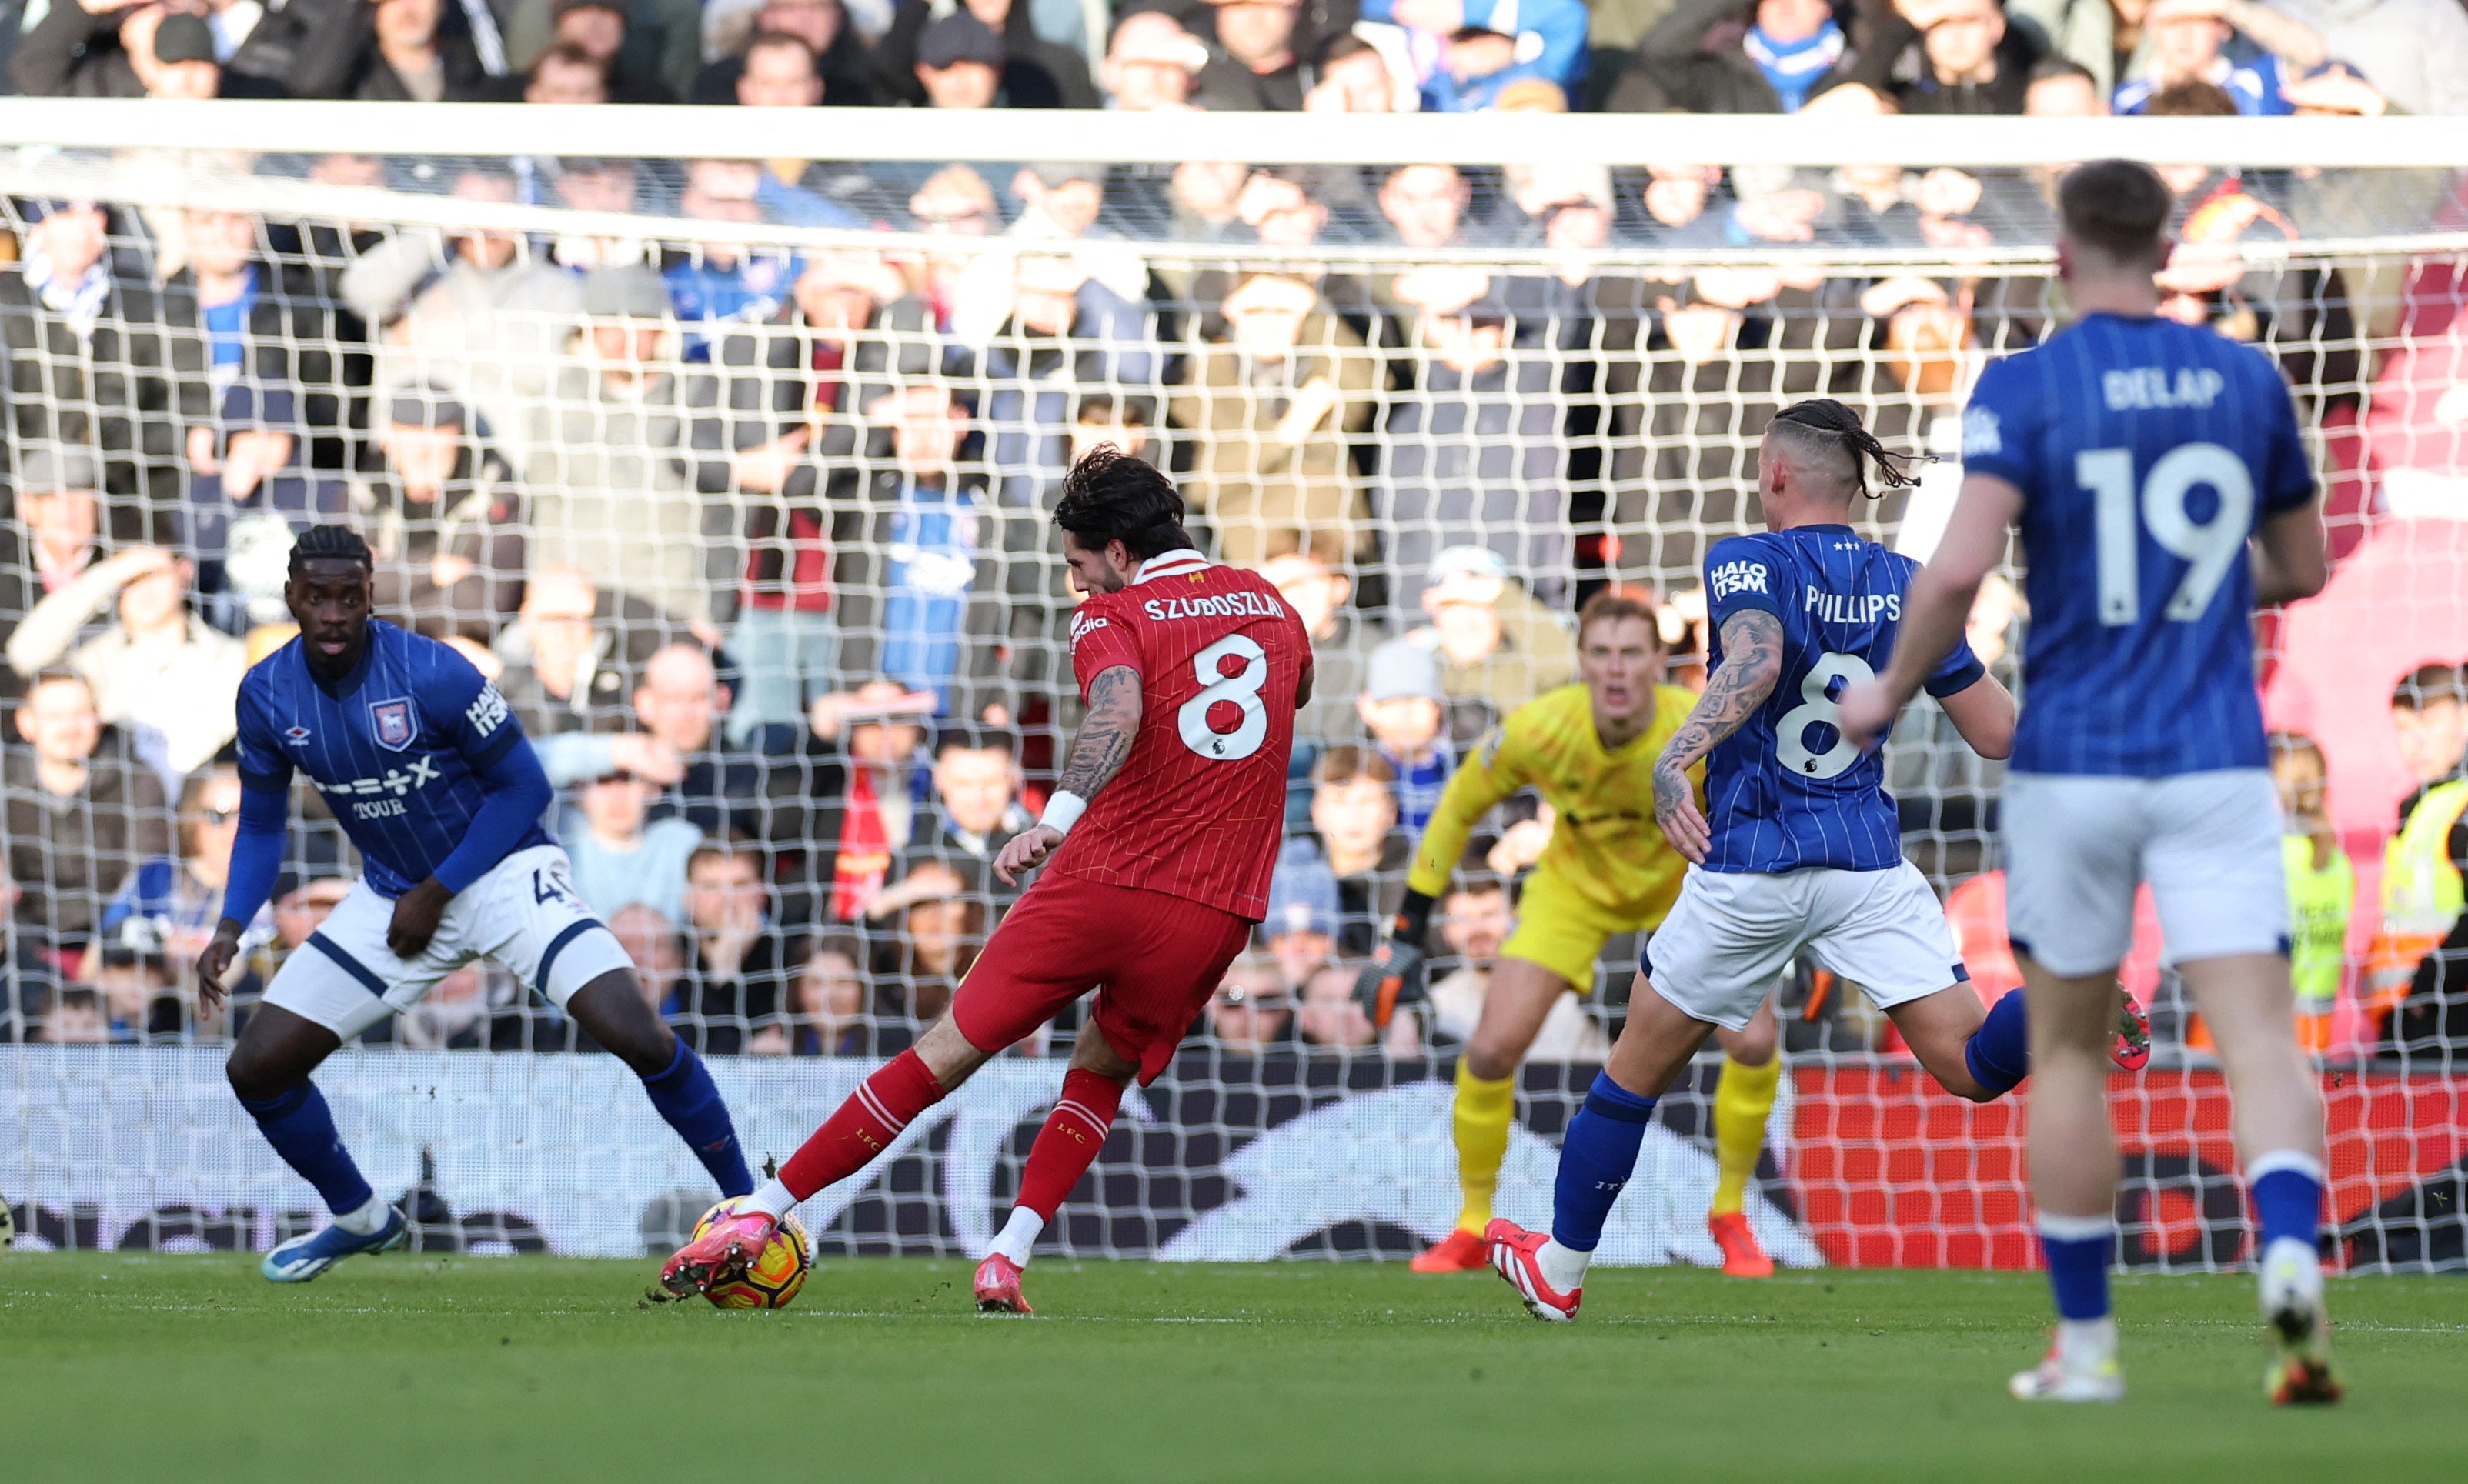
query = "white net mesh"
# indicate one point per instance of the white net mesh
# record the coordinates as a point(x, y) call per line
point(599, 415)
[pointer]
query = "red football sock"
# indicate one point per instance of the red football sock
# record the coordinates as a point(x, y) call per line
point(864, 1127)
point(1069, 1143)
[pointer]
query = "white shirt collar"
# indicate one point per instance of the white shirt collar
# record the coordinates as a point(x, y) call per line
point(1170, 563)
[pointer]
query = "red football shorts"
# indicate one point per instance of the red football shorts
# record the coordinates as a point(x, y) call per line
point(1153, 959)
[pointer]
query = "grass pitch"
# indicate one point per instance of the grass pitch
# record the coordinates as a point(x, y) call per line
point(465, 1368)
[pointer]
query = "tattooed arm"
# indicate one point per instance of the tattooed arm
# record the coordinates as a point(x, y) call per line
point(1106, 735)
point(1097, 754)
point(1751, 664)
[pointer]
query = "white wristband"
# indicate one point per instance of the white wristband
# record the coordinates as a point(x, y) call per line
point(1062, 811)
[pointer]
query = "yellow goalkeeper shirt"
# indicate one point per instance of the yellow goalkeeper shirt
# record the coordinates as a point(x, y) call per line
point(1605, 846)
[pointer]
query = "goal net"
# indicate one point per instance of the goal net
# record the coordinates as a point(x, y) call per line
point(729, 450)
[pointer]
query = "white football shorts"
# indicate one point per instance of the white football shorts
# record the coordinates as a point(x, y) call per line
point(2077, 847)
point(523, 914)
point(1731, 934)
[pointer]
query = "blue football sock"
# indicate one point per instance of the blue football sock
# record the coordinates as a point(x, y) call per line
point(2078, 1251)
point(1597, 1155)
point(1998, 1054)
point(2287, 1192)
point(685, 1096)
point(301, 1127)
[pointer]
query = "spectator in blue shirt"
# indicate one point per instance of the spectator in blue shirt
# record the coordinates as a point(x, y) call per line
point(929, 511)
point(722, 280)
point(1402, 705)
point(1546, 38)
point(271, 370)
point(621, 856)
point(167, 908)
point(2192, 42)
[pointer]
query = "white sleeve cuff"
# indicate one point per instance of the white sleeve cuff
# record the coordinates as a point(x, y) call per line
point(1063, 810)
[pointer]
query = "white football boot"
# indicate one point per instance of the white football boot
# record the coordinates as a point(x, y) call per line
point(2080, 1366)
point(2298, 1328)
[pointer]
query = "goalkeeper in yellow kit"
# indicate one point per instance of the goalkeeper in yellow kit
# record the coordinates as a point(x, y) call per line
point(1589, 751)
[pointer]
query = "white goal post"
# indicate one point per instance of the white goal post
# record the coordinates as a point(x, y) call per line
point(701, 358)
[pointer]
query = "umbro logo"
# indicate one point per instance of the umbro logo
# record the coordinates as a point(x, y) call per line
point(297, 735)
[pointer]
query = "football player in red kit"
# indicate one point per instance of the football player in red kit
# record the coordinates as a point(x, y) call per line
point(1157, 844)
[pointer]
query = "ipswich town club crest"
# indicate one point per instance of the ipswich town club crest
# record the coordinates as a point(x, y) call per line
point(394, 723)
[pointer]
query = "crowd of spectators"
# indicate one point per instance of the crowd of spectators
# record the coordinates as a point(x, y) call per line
point(1935, 56)
point(753, 540)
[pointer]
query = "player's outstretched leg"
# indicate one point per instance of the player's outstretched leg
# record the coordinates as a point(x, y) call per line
point(1744, 1099)
point(848, 1141)
point(269, 1070)
point(612, 1010)
point(1520, 996)
point(1073, 1135)
point(2246, 1001)
point(1983, 1056)
point(1597, 1155)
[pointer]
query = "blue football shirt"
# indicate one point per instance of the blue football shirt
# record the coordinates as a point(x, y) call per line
point(2147, 452)
point(1787, 790)
point(396, 747)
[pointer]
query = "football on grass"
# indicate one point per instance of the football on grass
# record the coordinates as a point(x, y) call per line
point(773, 1278)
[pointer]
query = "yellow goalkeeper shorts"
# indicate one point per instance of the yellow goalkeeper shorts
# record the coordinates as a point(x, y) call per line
point(1560, 929)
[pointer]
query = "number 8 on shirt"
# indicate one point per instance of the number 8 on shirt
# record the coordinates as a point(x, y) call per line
point(1157, 889)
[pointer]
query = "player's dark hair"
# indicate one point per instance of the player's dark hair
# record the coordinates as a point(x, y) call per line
point(338, 543)
point(1613, 604)
point(1821, 422)
point(1112, 496)
point(2429, 683)
point(2118, 209)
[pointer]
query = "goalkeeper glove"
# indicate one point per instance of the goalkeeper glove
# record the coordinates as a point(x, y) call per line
point(1394, 976)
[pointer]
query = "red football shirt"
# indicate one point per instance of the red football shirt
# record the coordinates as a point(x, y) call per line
point(1198, 806)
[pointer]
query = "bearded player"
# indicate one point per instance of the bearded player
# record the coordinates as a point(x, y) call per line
point(1588, 749)
point(1161, 835)
point(2163, 490)
point(432, 778)
point(1800, 848)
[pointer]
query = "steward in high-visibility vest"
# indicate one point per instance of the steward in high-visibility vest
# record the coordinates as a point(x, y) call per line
point(2321, 884)
point(2422, 899)
point(2423, 895)
point(2321, 888)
